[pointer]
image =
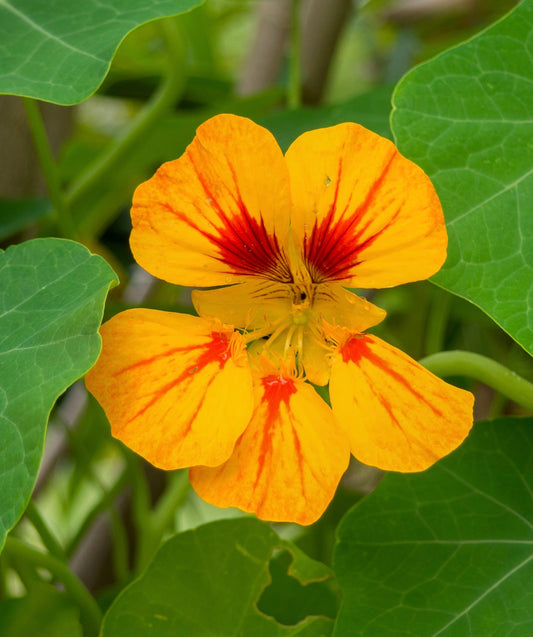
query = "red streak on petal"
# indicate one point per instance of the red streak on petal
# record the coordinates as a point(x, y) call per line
point(357, 348)
point(334, 246)
point(216, 350)
point(277, 389)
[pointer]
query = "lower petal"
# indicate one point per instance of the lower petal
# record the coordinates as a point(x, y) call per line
point(176, 389)
point(288, 463)
point(398, 415)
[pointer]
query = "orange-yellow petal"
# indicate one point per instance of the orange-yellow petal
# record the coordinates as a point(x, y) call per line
point(287, 464)
point(220, 212)
point(398, 415)
point(177, 389)
point(362, 214)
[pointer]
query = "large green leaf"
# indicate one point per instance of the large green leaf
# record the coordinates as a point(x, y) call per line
point(208, 581)
point(60, 51)
point(52, 293)
point(447, 552)
point(466, 118)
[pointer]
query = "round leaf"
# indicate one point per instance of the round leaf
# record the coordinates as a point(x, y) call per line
point(465, 117)
point(60, 51)
point(52, 293)
point(446, 552)
point(208, 581)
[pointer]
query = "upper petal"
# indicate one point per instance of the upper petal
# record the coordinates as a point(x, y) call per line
point(362, 213)
point(287, 464)
point(176, 389)
point(398, 415)
point(220, 212)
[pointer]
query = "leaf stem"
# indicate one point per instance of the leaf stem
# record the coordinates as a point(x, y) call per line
point(49, 168)
point(164, 98)
point(294, 94)
point(484, 369)
point(90, 613)
point(48, 538)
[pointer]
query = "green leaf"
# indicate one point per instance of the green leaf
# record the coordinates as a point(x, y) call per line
point(52, 293)
point(208, 582)
point(44, 611)
point(465, 117)
point(17, 214)
point(446, 552)
point(61, 52)
point(371, 110)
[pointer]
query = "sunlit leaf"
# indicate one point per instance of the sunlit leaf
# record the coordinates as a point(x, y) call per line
point(60, 51)
point(208, 581)
point(44, 611)
point(52, 293)
point(446, 552)
point(465, 117)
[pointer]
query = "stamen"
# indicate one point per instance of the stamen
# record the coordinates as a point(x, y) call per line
point(288, 340)
point(268, 330)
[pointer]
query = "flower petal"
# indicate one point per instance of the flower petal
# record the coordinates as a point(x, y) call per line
point(288, 463)
point(398, 415)
point(215, 215)
point(251, 305)
point(363, 214)
point(176, 389)
point(336, 305)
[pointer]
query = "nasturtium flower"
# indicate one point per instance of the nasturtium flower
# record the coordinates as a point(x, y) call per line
point(229, 393)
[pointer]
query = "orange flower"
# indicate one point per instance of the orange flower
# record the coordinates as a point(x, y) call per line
point(229, 393)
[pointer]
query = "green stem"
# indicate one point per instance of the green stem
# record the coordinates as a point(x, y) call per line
point(486, 370)
point(49, 167)
point(90, 613)
point(48, 538)
point(163, 100)
point(104, 503)
point(294, 95)
point(172, 498)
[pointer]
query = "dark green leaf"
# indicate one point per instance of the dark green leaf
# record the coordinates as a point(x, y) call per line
point(61, 51)
point(17, 214)
point(52, 293)
point(207, 582)
point(446, 552)
point(44, 612)
point(465, 117)
point(371, 110)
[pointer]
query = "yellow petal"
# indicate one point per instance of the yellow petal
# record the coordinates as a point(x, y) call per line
point(216, 215)
point(251, 305)
point(336, 305)
point(288, 463)
point(362, 213)
point(176, 389)
point(398, 415)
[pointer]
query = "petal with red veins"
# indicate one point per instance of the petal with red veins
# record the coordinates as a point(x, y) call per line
point(176, 389)
point(398, 415)
point(363, 214)
point(215, 215)
point(287, 464)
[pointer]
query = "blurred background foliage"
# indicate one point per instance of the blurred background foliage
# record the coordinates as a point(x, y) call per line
point(220, 51)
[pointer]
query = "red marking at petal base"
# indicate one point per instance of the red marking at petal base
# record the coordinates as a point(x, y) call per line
point(333, 247)
point(244, 243)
